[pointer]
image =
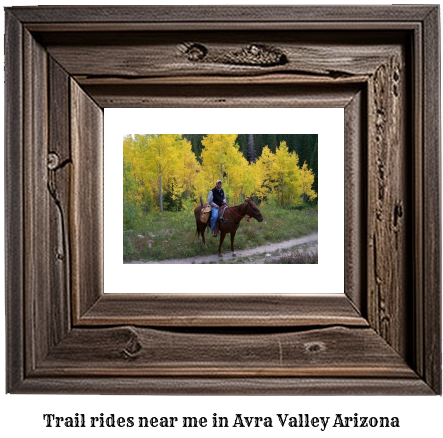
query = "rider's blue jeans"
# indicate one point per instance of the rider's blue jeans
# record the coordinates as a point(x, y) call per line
point(214, 216)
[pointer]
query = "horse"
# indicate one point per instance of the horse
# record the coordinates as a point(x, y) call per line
point(228, 221)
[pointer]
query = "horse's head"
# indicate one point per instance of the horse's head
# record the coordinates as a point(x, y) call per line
point(253, 211)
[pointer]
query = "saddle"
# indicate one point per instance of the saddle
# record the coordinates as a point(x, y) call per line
point(205, 214)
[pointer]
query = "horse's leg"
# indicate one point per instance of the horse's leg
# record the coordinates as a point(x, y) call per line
point(202, 232)
point(222, 237)
point(232, 244)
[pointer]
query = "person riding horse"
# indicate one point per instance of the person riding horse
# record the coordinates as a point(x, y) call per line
point(229, 220)
point(216, 198)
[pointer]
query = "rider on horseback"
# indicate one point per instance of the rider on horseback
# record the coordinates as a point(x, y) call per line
point(216, 198)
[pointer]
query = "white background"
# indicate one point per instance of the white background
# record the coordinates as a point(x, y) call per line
point(328, 123)
point(21, 415)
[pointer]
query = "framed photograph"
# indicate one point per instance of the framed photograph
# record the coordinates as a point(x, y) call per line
point(179, 185)
point(290, 231)
point(376, 332)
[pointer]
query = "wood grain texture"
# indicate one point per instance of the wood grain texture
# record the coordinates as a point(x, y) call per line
point(14, 239)
point(38, 309)
point(432, 334)
point(59, 180)
point(388, 204)
point(289, 386)
point(160, 54)
point(222, 14)
point(384, 340)
point(418, 356)
point(226, 96)
point(240, 310)
point(86, 208)
point(129, 351)
point(355, 187)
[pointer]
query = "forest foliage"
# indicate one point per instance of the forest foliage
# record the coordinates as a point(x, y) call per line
point(171, 171)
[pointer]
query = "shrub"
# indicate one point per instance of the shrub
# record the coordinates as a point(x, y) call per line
point(297, 258)
point(131, 215)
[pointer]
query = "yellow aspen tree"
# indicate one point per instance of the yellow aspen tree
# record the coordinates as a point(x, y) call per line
point(257, 175)
point(306, 181)
point(187, 166)
point(128, 147)
point(161, 163)
point(237, 176)
point(247, 180)
point(202, 183)
point(262, 172)
point(286, 175)
point(160, 159)
point(241, 182)
point(134, 151)
point(216, 153)
point(222, 159)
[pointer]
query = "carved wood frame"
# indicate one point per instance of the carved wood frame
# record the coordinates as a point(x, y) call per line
point(64, 65)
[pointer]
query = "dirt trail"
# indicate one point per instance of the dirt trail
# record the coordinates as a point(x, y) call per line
point(310, 240)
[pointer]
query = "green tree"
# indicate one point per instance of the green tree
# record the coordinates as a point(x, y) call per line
point(314, 167)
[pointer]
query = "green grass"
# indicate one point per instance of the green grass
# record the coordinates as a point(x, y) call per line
point(169, 235)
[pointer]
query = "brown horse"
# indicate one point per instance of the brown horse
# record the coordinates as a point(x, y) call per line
point(229, 221)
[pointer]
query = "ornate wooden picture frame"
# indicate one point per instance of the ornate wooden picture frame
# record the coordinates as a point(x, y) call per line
point(65, 64)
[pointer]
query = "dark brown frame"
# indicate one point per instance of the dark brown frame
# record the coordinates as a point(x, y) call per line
point(64, 65)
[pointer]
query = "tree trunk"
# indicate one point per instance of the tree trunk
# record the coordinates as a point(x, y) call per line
point(282, 185)
point(251, 149)
point(160, 188)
